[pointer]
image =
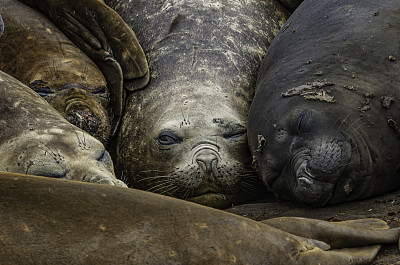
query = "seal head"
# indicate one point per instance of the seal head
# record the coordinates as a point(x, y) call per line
point(323, 124)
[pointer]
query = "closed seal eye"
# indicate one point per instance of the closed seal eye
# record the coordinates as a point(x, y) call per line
point(169, 138)
point(235, 131)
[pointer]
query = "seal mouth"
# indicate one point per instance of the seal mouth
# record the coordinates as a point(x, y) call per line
point(310, 190)
point(213, 199)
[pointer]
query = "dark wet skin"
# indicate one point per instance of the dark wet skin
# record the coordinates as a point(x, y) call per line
point(323, 126)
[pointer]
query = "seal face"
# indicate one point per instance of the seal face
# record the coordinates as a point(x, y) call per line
point(184, 134)
point(38, 54)
point(323, 123)
point(36, 140)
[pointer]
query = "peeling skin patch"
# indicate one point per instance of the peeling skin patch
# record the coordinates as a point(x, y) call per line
point(387, 101)
point(365, 105)
point(393, 124)
point(352, 88)
point(312, 91)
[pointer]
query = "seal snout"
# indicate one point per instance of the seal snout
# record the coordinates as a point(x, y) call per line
point(207, 156)
point(318, 167)
point(207, 161)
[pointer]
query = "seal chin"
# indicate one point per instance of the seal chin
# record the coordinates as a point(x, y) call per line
point(215, 200)
point(313, 192)
point(311, 188)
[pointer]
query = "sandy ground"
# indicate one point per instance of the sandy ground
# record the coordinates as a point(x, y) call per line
point(385, 207)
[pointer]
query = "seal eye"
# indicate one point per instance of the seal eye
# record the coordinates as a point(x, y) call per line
point(235, 133)
point(169, 138)
point(301, 121)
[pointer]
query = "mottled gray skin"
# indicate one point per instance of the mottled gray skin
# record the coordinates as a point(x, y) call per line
point(35, 139)
point(50, 221)
point(184, 135)
point(323, 126)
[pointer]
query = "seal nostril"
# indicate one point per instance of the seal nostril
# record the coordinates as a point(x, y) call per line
point(207, 161)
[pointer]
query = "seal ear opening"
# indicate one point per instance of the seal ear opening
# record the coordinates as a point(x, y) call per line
point(1, 26)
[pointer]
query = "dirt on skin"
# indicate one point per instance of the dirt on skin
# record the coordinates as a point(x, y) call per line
point(386, 207)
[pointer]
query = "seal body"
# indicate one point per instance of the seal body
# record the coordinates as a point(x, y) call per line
point(53, 221)
point(323, 126)
point(38, 54)
point(184, 135)
point(36, 140)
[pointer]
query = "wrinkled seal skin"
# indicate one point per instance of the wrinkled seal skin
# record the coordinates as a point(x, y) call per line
point(323, 126)
point(38, 54)
point(36, 140)
point(37, 227)
point(101, 34)
point(184, 135)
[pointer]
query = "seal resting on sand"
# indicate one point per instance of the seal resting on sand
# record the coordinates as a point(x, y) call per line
point(54, 221)
point(324, 123)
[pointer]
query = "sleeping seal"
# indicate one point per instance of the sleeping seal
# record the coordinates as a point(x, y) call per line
point(36, 140)
point(323, 125)
point(39, 55)
point(184, 135)
point(50, 221)
point(35, 52)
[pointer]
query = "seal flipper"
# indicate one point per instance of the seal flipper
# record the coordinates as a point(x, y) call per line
point(98, 30)
point(361, 255)
point(345, 234)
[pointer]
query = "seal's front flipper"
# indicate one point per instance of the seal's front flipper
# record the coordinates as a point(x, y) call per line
point(352, 233)
point(362, 255)
point(100, 32)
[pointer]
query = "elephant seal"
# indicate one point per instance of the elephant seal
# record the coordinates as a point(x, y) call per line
point(35, 139)
point(54, 221)
point(38, 54)
point(323, 123)
point(184, 135)
point(50, 64)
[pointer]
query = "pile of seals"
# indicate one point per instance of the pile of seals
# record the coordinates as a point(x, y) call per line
point(142, 235)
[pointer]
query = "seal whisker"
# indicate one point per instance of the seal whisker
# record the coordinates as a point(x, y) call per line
point(343, 121)
point(153, 177)
point(160, 181)
point(160, 186)
point(351, 125)
point(247, 187)
point(150, 170)
point(170, 189)
point(186, 195)
point(349, 136)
